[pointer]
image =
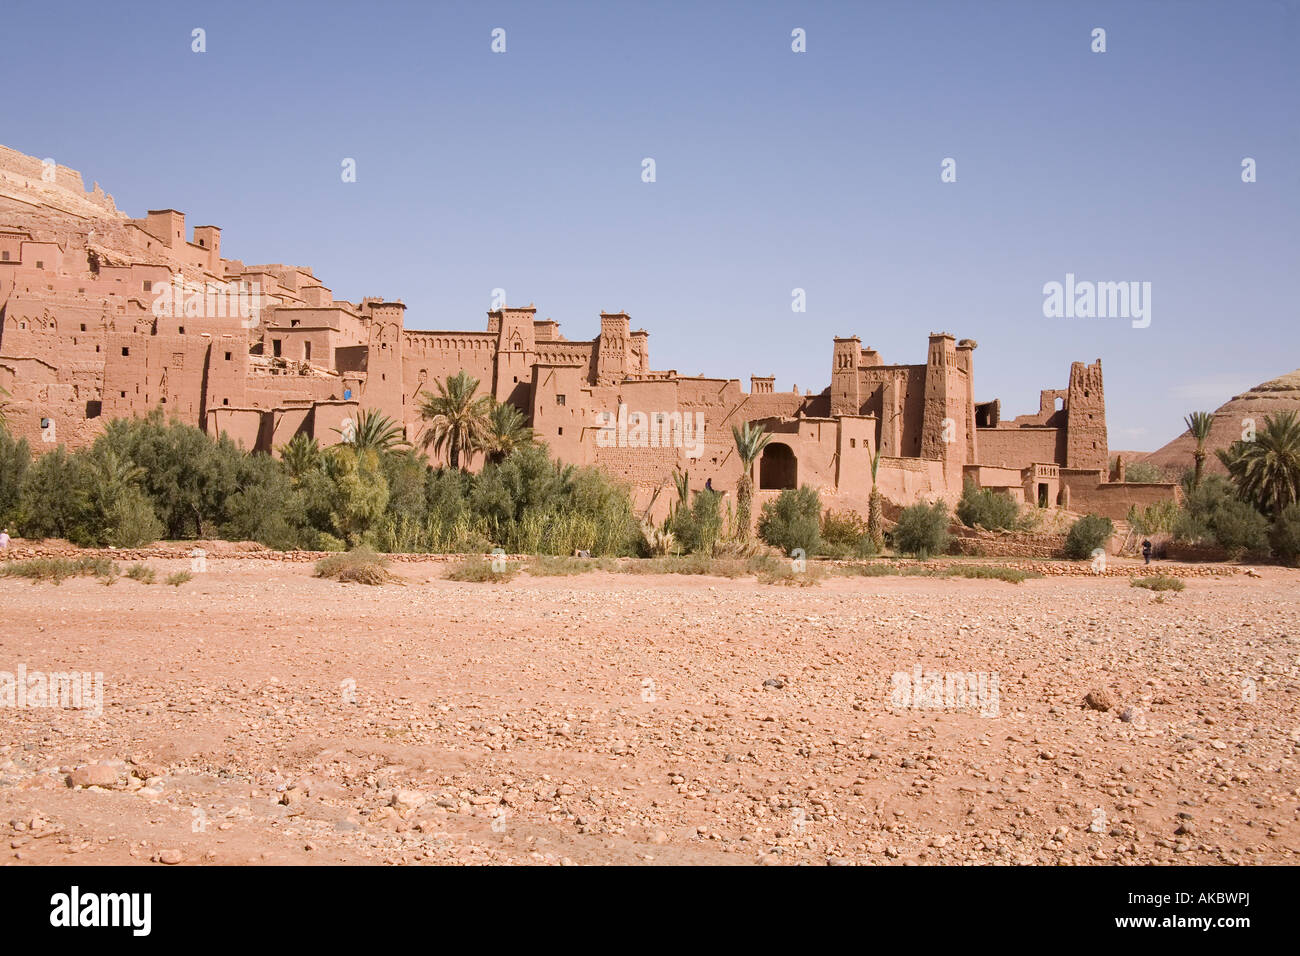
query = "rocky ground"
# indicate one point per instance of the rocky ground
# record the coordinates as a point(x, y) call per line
point(259, 715)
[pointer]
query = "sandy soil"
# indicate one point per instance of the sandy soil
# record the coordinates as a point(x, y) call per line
point(259, 715)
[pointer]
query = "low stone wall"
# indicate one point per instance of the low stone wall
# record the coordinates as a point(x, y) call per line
point(226, 550)
point(1007, 544)
point(1182, 551)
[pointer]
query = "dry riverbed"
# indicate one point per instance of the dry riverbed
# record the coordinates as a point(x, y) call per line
point(256, 714)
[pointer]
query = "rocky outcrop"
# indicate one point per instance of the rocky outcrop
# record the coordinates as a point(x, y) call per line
point(1230, 420)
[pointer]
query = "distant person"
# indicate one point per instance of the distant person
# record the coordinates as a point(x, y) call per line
point(4, 539)
point(1146, 551)
point(708, 484)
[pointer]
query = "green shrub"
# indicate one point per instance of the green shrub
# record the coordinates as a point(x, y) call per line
point(922, 530)
point(1160, 516)
point(59, 569)
point(1239, 528)
point(993, 572)
point(1158, 582)
point(1143, 472)
point(1214, 514)
point(480, 571)
point(811, 576)
point(986, 508)
point(188, 476)
point(267, 508)
point(15, 458)
point(54, 497)
point(1194, 523)
point(390, 499)
point(361, 566)
point(142, 573)
point(844, 534)
point(697, 529)
point(688, 564)
point(878, 569)
point(179, 578)
point(551, 566)
point(130, 520)
point(360, 493)
point(792, 520)
point(531, 504)
point(1285, 535)
point(842, 528)
point(1087, 535)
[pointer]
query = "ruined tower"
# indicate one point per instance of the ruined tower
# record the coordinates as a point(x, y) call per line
point(516, 353)
point(945, 419)
point(1085, 419)
point(846, 384)
point(384, 359)
point(612, 348)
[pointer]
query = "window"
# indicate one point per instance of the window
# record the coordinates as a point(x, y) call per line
point(148, 285)
point(561, 431)
point(4, 256)
point(227, 356)
point(306, 351)
point(125, 350)
point(83, 326)
point(40, 264)
point(293, 323)
point(275, 347)
point(182, 330)
point(853, 443)
point(225, 401)
point(559, 399)
point(123, 394)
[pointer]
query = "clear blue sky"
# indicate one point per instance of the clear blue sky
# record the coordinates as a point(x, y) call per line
point(775, 170)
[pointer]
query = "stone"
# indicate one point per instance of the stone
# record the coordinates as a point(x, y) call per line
point(95, 775)
point(404, 800)
point(1099, 700)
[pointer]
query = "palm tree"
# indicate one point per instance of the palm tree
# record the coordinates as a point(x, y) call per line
point(457, 420)
point(4, 405)
point(111, 473)
point(506, 432)
point(374, 430)
point(1267, 470)
point(750, 441)
point(1198, 423)
point(875, 509)
point(682, 482)
point(300, 455)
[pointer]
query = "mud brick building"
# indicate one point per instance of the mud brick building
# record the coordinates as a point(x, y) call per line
point(104, 316)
